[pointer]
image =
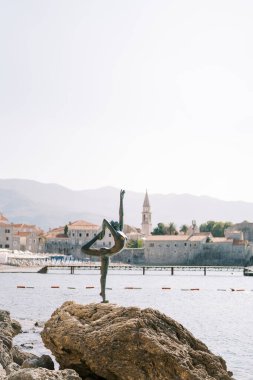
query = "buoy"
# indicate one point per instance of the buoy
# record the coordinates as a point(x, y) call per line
point(131, 287)
point(30, 287)
point(239, 290)
point(164, 288)
point(90, 287)
point(55, 286)
point(108, 288)
point(195, 289)
point(69, 287)
point(21, 286)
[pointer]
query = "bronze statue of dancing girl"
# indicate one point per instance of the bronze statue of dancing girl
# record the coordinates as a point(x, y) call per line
point(104, 252)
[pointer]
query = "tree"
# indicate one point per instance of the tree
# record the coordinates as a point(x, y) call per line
point(184, 228)
point(159, 230)
point(165, 229)
point(216, 228)
point(172, 229)
point(134, 243)
point(66, 229)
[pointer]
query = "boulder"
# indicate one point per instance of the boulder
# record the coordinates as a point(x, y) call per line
point(45, 361)
point(11, 368)
point(128, 343)
point(8, 325)
point(20, 356)
point(8, 329)
point(43, 374)
point(2, 373)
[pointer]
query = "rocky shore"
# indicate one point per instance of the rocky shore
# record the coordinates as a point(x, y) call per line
point(16, 364)
point(106, 341)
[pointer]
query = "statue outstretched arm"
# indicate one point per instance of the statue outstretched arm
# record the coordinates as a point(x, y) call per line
point(121, 211)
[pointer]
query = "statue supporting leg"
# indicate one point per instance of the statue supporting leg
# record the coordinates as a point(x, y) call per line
point(103, 271)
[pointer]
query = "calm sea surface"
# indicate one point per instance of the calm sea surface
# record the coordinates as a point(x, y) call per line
point(220, 317)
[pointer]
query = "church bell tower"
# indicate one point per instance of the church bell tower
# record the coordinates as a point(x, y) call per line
point(146, 225)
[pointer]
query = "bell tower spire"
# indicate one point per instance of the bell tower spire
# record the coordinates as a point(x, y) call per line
point(146, 225)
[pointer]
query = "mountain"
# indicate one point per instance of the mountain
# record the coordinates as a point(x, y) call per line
point(52, 205)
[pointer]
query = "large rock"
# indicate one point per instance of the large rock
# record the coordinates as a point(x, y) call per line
point(8, 329)
point(43, 374)
point(119, 343)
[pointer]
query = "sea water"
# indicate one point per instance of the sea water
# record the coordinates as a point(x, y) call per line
point(219, 313)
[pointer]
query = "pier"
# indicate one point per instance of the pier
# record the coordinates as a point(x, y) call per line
point(143, 268)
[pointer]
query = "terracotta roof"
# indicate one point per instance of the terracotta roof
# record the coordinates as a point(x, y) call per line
point(82, 224)
point(167, 238)
point(53, 232)
point(3, 218)
point(239, 242)
point(61, 236)
point(221, 240)
point(4, 225)
point(23, 225)
point(20, 233)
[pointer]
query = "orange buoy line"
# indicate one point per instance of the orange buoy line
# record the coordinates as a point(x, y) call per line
point(90, 287)
point(131, 287)
point(164, 288)
point(21, 286)
point(55, 286)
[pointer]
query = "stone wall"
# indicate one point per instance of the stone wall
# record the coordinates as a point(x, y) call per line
point(199, 254)
point(129, 256)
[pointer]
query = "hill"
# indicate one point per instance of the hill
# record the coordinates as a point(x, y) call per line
point(51, 205)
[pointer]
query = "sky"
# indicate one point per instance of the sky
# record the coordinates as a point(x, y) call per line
point(136, 94)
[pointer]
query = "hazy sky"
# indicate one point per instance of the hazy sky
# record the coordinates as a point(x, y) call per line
point(135, 94)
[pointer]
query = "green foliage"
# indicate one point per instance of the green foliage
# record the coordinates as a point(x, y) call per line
point(216, 228)
point(165, 229)
point(134, 243)
point(184, 228)
point(66, 229)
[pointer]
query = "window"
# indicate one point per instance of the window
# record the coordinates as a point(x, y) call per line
point(7, 238)
point(7, 246)
point(110, 244)
point(175, 245)
point(80, 235)
point(151, 244)
point(7, 231)
point(73, 234)
point(110, 235)
point(185, 244)
point(1, 245)
point(87, 234)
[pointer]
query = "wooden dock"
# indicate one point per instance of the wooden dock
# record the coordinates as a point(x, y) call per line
point(143, 268)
